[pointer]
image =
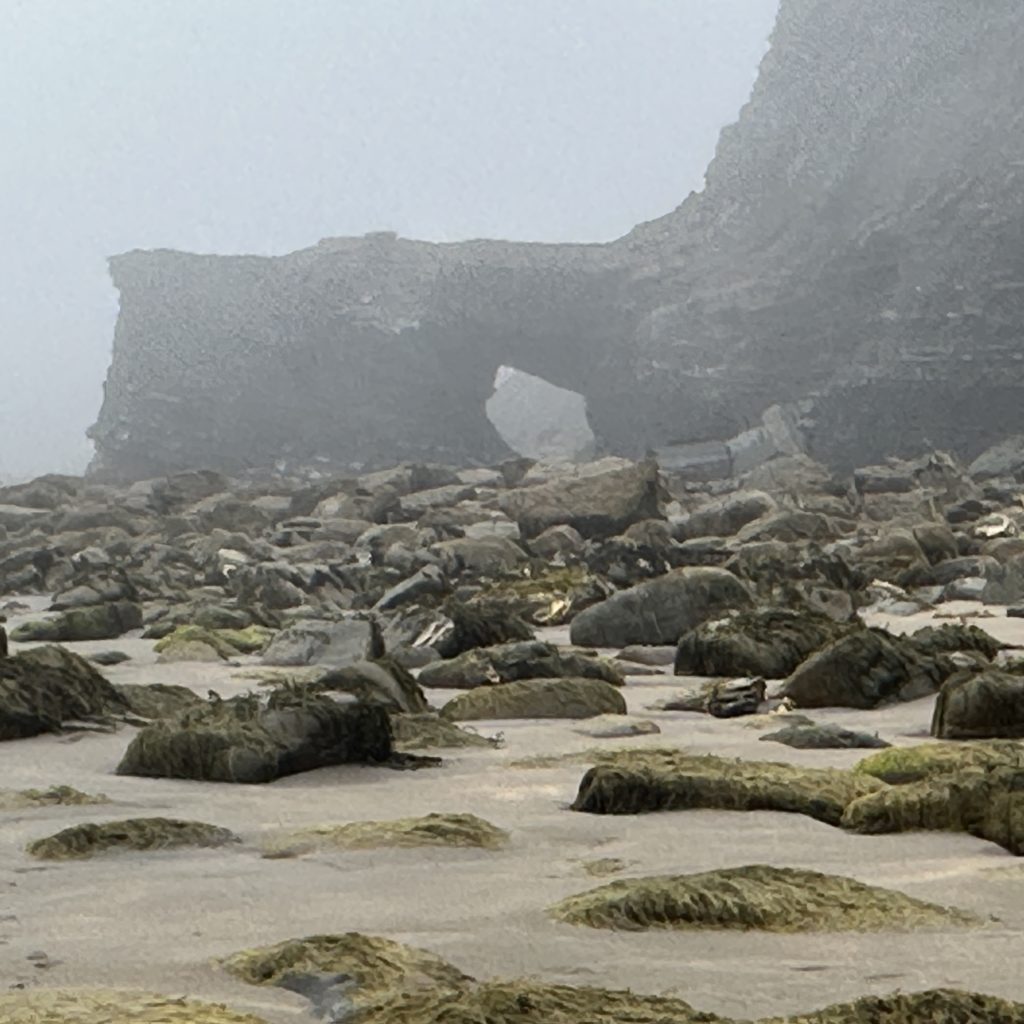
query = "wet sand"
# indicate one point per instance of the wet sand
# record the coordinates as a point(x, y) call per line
point(157, 921)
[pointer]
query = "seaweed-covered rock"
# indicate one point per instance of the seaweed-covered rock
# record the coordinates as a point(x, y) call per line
point(537, 698)
point(477, 623)
point(102, 1006)
point(456, 830)
point(44, 688)
point(659, 611)
point(505, 663)
point(936, 1006)
point(756, 897)
point(595, 504)
point(89, 839)
point(369, 969)
point(812, 736)
point(763, 642)
point(986, 803)
point(157, 700)
point(244, 740)
point(382, 682)
point(65, 796)
point(951, 637)
point(431, 731)
point(334, 643)
point(980, 705)
point(864, 669)
point(900, 765)
point(97, 622)
point(640, 781)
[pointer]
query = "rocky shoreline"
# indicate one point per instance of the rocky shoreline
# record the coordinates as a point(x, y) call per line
point(489, 745)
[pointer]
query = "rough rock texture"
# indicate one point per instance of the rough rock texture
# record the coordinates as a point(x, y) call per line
point(88, 839)
point(756, 897)
point(537, 698)
point(980, 705)
point(855, 256)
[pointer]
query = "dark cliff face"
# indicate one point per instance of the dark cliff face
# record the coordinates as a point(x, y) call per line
point(860, 240)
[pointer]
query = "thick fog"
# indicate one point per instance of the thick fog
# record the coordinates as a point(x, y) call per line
point(264, 125)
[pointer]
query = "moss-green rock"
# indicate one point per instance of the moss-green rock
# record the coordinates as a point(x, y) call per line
point(89, 839)
point(102, 1006)
point(986, 803)
point(756, 897)
point(937, 1006)
point(976, 705)
point(639, 781)
point(22, 799)
point(245, 740)
point(454, 830)
point(899, 765)
point(537, 698)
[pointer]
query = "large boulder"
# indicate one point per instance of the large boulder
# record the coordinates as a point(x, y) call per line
point(1005, 459)
point(595, 505)
point(659, 611)
point(376, 682)
point(97, 622)
point(486, 556)
point(334, 643)
point(46, 687)
point(769, 643)
point(537, 698)
point(864, 669)
point(505, 663)
point(980, 705)
point(244, 740)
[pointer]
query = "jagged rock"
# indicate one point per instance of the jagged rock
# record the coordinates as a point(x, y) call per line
point(321, 642)
point(598, 505)
point(1004, 459)
point(980, 705)
point(427, 582)
point(823, 737)
point(455, 830)
point(790, 526)
point(242, 740)
point(505, 663)
point(44, 688)
point(735, 698)
point(537, 698)
point(756, 897)
point(381, 682)
point(661, 610)
point(99, 622)
point(88, 839)
point(641, 781)
point(864, 669)
point(725, 516)
point(771, 643)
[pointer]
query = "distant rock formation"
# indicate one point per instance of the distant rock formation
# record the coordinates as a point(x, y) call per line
point(857, 258)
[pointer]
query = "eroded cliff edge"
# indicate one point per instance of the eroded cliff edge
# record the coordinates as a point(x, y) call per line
point(858, 250)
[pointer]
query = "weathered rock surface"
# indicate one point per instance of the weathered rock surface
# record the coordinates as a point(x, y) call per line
point(537, 698)
point(980, 705)
point(858, 223)
point(660, 611)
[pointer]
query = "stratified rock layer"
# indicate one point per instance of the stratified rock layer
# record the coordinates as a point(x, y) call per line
point(853, 266)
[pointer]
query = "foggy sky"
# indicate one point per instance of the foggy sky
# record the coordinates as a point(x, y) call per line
point(264, 125)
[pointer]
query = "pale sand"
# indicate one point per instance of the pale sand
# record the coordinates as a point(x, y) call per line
point(158, 920)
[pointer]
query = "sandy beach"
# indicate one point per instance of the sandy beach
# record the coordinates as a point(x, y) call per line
point(159, 920)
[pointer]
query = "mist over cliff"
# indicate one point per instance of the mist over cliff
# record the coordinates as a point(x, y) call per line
point(243, 126)
point(855, 258)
